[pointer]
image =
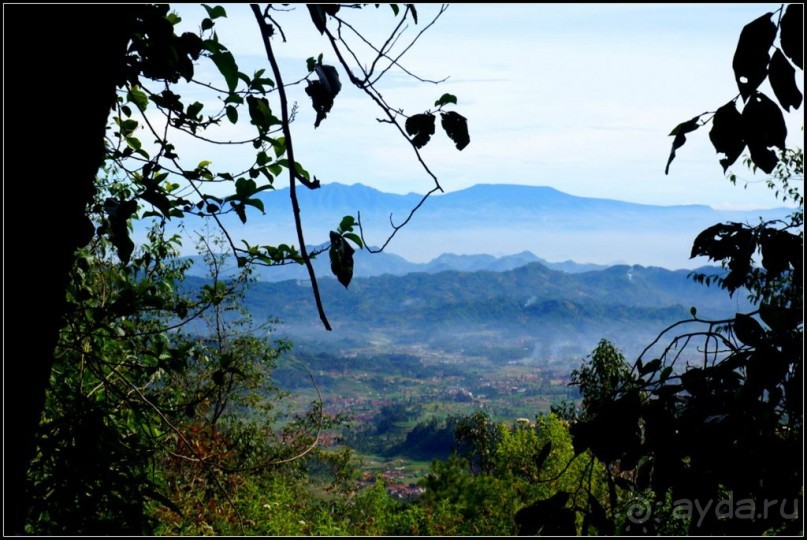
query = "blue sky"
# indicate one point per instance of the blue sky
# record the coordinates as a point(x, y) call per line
point(579, 97)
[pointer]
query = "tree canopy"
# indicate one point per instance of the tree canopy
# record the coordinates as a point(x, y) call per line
point(118, 160)
point(124, 418)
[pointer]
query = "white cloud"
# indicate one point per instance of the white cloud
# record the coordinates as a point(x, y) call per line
point(577, 96)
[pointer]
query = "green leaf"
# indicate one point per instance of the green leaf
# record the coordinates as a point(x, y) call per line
point(279, 144)
point(234, 98)
point(215, 12)
point(245, 188)
point(257, 203)
point(128, 126)
point(260, 114)
point(446, 99)
point(346, 224)
point(355, 238)
point(119, 213)
point(225, 62)
point(232, 114)
point(133, 142)
point(194, 109)
point(138, 97)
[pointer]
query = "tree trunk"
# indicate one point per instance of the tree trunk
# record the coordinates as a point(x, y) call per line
point(62, 63)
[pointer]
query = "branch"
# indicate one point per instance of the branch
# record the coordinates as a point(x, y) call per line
point(293, 174)
point(395, 228)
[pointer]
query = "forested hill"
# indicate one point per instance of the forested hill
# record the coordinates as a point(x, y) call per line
point(626, 303)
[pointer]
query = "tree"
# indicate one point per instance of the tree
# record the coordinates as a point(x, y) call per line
point(136, 46)
point(715, 415)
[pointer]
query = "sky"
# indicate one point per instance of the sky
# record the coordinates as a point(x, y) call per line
point(579, 97)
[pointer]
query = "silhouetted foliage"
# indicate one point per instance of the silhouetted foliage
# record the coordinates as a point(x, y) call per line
point(716, 417)
point(760, 126)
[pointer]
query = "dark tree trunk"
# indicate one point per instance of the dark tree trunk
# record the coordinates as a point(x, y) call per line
point(61, 65)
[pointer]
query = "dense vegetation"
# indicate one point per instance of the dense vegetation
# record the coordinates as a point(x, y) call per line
point(161, 407)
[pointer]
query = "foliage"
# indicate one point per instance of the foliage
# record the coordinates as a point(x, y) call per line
point(99, 432)
point(155, 98)
point(715, 418)
point(600, 379)
point(502, 469)
point(143, 421)
point(147, 425)
point(760, 126)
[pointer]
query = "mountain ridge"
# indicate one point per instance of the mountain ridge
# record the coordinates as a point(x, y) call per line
point(497, 219)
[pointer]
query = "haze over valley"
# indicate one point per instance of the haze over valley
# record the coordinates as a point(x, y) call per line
point(494, 220)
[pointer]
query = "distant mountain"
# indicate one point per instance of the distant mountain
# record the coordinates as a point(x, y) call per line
point(495, 219)
point(379, 264)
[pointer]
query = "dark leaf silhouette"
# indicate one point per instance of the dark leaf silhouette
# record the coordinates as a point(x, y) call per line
point(329, 78)
point(778, 251)
point(260, 114)
point(225, 62)
point(791, 34)
point(421, 127)
point(341, 254)
point(752, 54)
point(679, 132)
point(323, 91)
point(119, 213)
point(321, 100)
point(726, 134)
point(548, 517)
point(763, 128)
point(319, 14)
point(540, 459)
point(240, 210)
point(598, 518)
point(413, 11)
point(748, 330)
point(782, 77)
point(456, 127)
point(651, 366)
point(445, 99)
